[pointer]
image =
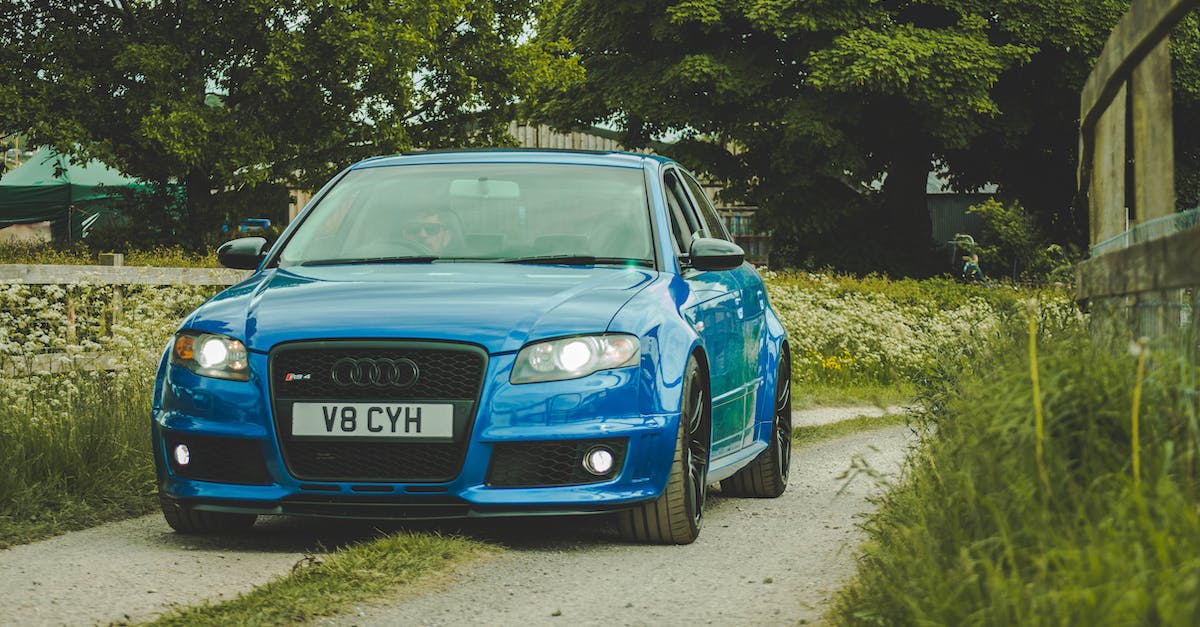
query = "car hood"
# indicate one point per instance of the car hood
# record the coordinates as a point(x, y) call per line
point(499, 306)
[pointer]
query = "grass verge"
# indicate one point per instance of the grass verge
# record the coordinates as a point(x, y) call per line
point(68, 461)
point(1007, 519)
point(329, 584)
point(802, 436)
point(806, 395)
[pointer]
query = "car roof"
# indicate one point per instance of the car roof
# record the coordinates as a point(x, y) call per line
point(516, 155)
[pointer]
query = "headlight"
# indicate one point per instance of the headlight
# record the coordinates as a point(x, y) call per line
point(211, 355)
point(574, 357)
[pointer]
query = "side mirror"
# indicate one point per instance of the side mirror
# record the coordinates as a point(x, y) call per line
point(244, 253)
point(715, 254)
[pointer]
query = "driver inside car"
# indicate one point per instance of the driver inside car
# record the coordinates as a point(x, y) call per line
point(438, 231)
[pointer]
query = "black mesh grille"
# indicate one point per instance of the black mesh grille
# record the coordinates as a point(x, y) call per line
point(448, 373)
point(372, 461)
point(223, 460)
point(532, 464)
point(444, 374)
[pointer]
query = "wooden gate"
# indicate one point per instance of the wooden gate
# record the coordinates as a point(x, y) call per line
point(1145, 257)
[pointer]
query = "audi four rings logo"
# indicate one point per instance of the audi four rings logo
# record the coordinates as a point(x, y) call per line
point(370, 371)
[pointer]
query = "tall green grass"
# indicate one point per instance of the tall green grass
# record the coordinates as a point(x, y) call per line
point(983, 532)
point(74, 452)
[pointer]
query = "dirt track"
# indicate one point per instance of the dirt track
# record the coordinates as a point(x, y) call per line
point(756, 562)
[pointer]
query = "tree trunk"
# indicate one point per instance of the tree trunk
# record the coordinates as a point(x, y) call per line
point(907, 228)
point(200, 219)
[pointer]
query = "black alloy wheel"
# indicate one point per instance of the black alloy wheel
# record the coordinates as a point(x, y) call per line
point(677, 515)
point(699, 438)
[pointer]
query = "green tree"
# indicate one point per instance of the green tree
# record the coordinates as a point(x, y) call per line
point(1010, 244)
point(830, 114)
point(228, 94)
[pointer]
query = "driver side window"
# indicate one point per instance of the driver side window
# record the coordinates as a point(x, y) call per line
point(713, 225)
point(684, 225)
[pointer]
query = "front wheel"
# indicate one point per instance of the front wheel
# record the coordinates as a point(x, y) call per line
point(767, 475)
point(676, 516)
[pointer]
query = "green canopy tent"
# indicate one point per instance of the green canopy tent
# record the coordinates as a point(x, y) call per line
point(49, 187)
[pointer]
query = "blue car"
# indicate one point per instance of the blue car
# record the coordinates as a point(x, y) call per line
point(481, 333)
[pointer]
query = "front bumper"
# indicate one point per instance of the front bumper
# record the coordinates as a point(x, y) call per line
point(604, 407)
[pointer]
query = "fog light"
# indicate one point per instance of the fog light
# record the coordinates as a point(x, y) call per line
point(182, 455)
point(599, 460)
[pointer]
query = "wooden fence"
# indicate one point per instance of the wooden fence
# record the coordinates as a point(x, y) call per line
point(1144, 260)
point(112, 274)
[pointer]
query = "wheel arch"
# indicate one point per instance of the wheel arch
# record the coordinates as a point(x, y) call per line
point(701, 358)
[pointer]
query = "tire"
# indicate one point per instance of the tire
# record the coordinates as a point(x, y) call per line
point(677, 515)
point(184, 519)
point(767, 475)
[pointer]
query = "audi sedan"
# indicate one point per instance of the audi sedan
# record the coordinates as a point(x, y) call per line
point(481, 333)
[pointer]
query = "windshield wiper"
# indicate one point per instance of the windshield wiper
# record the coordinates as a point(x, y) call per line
point(578, 260)
point(566, 260)
point(366, 260)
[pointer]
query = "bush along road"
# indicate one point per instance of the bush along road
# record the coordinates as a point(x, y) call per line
point(758, 561)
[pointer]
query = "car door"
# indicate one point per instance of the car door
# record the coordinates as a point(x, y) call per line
point(712, 309)
point(751, 311)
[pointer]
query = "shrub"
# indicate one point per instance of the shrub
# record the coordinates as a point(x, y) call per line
point(846, 330)
point(81, 253)
point(1011, 245)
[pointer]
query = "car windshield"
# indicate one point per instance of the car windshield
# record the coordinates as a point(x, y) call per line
point(517, 213)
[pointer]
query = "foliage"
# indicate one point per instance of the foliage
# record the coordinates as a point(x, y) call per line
point(1011, 244)
point(6, 144)
point(228, 94)
point(981, 531)
point(74, 446)
point(155, 216)
point(848, 332)
point(86, 253)
point(801, 106)
point(147, 216)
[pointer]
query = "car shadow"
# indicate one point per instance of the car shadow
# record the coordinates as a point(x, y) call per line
point(296, 534)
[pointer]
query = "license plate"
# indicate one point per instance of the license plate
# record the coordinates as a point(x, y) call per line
point(386, 420)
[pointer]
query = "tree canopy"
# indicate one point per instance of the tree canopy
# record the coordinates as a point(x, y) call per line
point(226, 94)
point(829, 114)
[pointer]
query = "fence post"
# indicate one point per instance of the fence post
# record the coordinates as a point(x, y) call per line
point(70, 317)
point(114, 259)
point(1108, 176)
point(1153, 139)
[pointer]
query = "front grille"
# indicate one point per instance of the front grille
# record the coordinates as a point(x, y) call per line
point(444, 374)
point(544, 464)
point(222, 460)
point(447, 373)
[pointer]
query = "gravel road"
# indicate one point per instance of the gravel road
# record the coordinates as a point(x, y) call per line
point(757, 561)
point(771, 561)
